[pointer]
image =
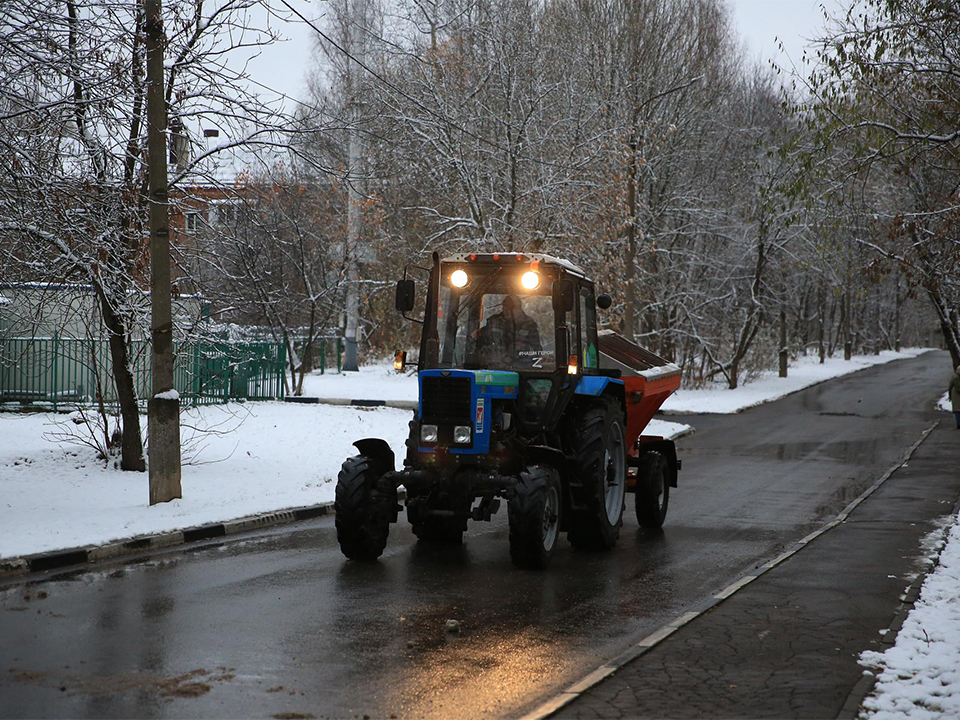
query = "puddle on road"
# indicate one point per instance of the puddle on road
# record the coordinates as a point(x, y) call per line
point(848, 451)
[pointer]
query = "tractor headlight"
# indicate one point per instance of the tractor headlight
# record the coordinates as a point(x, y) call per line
point(530, 280)
point(461, 434)
point(428, 433)
point(459, 278)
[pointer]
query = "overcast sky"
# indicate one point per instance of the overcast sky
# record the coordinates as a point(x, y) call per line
point(794, 22)
point(759, 22)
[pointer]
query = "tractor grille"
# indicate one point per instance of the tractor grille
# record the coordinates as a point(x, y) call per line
point(446, 400)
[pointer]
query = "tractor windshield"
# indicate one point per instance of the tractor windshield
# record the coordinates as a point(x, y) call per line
point(488, 319)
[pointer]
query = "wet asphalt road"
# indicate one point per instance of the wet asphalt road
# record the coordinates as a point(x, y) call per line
point(278, 624)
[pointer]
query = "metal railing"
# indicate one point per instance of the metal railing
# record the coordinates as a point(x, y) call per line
point(70, 371)
point(338, 353)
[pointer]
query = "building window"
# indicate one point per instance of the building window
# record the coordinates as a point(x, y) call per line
point(226, 213)
point(191, 221)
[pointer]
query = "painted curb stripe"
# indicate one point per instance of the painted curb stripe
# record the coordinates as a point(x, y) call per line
point(595, 677)
point(10, 567)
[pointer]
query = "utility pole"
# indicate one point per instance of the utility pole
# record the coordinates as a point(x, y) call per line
point(352, 275)
point(163, 408)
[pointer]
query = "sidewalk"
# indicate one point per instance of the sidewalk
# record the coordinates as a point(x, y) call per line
point(787, 644)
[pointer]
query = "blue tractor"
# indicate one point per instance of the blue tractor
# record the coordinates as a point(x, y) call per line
point(522, 400)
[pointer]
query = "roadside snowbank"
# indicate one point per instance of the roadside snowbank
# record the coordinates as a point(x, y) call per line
point(804, 372)
point(944, 403)
point(382, 382)
point(261, 457)
point(920, 673)
point(278, 456)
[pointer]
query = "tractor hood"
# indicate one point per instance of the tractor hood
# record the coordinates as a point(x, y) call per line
point(449, 398)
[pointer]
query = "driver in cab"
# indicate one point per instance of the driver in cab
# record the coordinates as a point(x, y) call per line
point(510, 337)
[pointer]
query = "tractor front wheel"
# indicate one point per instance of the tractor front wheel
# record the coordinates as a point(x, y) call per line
point(600, 471)
point(653, 490)
point(534, 516)
point(363, 513)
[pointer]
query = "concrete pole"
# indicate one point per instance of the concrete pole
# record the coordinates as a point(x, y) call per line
point(352, 275)
point(163, 413)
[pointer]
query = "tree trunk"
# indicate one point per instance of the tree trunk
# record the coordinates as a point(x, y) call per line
point(783, 343)
point(896, 317)
point(821, 312)
point(630, 260)
point(948, 326)
point(131, 448)
point(846, 310)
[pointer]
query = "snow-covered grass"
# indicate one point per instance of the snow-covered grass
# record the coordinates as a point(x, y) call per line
point(261, 457)
point(382, 382)
point(920, 674)
point(278, 456)
point(804, 372)
point(372, 382)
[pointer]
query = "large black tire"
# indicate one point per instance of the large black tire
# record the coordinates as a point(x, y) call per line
point(534, 515)
point(363, 514)
point(596, 440)
point(653, 490)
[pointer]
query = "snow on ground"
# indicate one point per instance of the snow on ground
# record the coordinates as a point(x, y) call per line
point(920, 674)
point(372, 382)
point(944, 403)
point(804, 372)
point(382, 382)
point(279, 456)
point(262, 457)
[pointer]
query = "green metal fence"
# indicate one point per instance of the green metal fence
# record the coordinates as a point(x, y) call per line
point(61, 371)
point(337, 342)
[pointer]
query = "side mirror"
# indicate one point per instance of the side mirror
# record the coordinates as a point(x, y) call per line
point(564, 295)
point(400, 360)
point(406, 295)
point(604, 301)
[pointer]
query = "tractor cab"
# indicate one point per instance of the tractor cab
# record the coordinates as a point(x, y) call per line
point(529, 320)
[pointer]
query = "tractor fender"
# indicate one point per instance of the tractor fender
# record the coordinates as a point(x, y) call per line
point(602, 386)
point(378, 450)
point(536, 454)
point(668, 449)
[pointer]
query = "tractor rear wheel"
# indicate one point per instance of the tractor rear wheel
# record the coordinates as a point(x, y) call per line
point(600, 470)
point(653, 490)
point(534, 515)
point(363, 513)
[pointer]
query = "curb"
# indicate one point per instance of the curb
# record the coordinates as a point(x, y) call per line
point(852, 706)
point(398, 404)
point(39, 562)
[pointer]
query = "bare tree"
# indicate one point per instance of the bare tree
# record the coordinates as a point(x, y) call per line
point(72, 134)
